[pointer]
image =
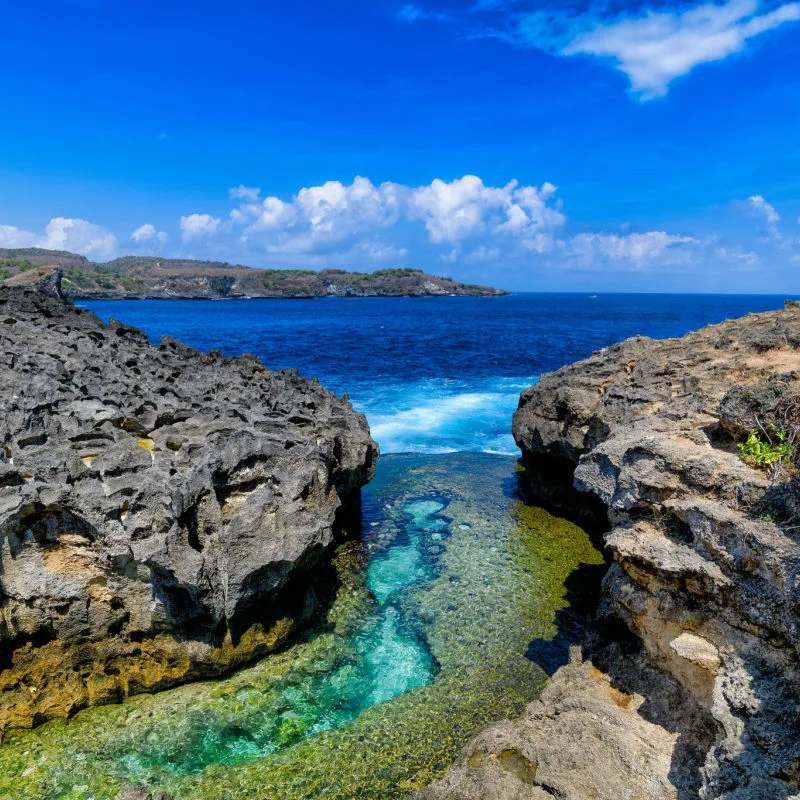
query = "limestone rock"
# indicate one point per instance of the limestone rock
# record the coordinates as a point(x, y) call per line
point(584, 737)
point(640, 441)
point(165, 514)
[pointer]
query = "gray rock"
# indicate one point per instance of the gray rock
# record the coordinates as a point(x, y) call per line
point(165, 514)
point(640, 441)
point(586, 737)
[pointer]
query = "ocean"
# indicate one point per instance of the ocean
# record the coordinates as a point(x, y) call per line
point(433, 375)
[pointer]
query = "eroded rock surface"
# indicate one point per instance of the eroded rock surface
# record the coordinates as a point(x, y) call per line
point(583, 738)
point(706, 580)
point(164, 514)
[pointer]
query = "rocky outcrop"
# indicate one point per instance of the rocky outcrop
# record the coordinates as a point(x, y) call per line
point(165, 514)
point(583, 738)
point(705, 575)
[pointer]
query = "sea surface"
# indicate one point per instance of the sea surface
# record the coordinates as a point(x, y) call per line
point(433, 375)
point(457, 600)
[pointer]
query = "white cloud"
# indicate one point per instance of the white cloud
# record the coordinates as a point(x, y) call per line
point(411, 13)
point(761, 208)
point(61, 233)
point(652, 47)
point(75, 235)
point(16, 237)
point(740, 259)
point(335, 217)
point(636, 249)
point(328, 217)
point(79, 236)
point(243, 192)
point(466, 206)
point(656, 47)
point(147, 233)
point(197, 226)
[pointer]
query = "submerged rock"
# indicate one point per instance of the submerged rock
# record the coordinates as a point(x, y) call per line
point(164, 513)
point(640, 440)
point(139, 793)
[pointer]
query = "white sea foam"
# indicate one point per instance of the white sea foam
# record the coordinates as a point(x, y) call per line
point(445, 416)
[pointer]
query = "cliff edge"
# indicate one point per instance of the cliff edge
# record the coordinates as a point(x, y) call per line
point(692, 688)
point(165, 514)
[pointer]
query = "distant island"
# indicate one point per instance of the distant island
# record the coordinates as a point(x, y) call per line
point(150, 277)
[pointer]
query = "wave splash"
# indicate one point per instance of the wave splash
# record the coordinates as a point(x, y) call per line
point(444, 416)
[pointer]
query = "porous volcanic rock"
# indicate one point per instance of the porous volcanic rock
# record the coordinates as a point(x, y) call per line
point(165, 514)
point(638, 441)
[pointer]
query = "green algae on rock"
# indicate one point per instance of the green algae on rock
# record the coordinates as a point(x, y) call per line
point(427, 641)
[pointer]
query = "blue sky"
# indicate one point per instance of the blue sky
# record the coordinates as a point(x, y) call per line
point(567, 146)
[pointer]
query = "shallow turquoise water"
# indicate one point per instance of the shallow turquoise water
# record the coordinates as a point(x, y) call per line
point(384, 656)
point(427, 640)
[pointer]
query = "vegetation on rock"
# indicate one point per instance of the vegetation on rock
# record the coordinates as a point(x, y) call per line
point(153, 277)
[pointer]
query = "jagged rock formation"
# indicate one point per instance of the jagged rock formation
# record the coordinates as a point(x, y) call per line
point(164, 514)
point(705, 577)
point(133, 277)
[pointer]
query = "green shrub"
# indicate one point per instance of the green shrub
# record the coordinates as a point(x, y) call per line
point(761, 451)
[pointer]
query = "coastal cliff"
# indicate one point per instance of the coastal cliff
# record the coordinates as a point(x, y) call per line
point(692, 687)
point(148, 277)
point(165, 514)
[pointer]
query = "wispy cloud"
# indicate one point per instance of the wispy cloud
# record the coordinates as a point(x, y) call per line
point(652, 47)
point(412, 13)
point(766, 211)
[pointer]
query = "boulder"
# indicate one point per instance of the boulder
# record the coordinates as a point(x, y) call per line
point(165, 514)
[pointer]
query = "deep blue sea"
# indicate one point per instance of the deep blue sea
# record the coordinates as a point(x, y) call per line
point(431, 374)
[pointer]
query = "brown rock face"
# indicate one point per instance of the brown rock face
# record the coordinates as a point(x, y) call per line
point(164, 514)
point(705, 576)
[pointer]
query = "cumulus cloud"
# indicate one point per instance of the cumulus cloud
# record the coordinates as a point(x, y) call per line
point(198, 226)
point(16, 237)
point(147, 233)
point(466, 206)
point(335, 217)
point(61, 233)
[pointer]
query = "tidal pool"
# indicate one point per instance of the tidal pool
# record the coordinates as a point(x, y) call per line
point(450, 601)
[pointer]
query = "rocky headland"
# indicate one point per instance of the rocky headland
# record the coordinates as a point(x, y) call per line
point(165, 514)
point(148, 277)
point(688, 683)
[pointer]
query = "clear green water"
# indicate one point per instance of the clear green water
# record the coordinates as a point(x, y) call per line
point(427, 641)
